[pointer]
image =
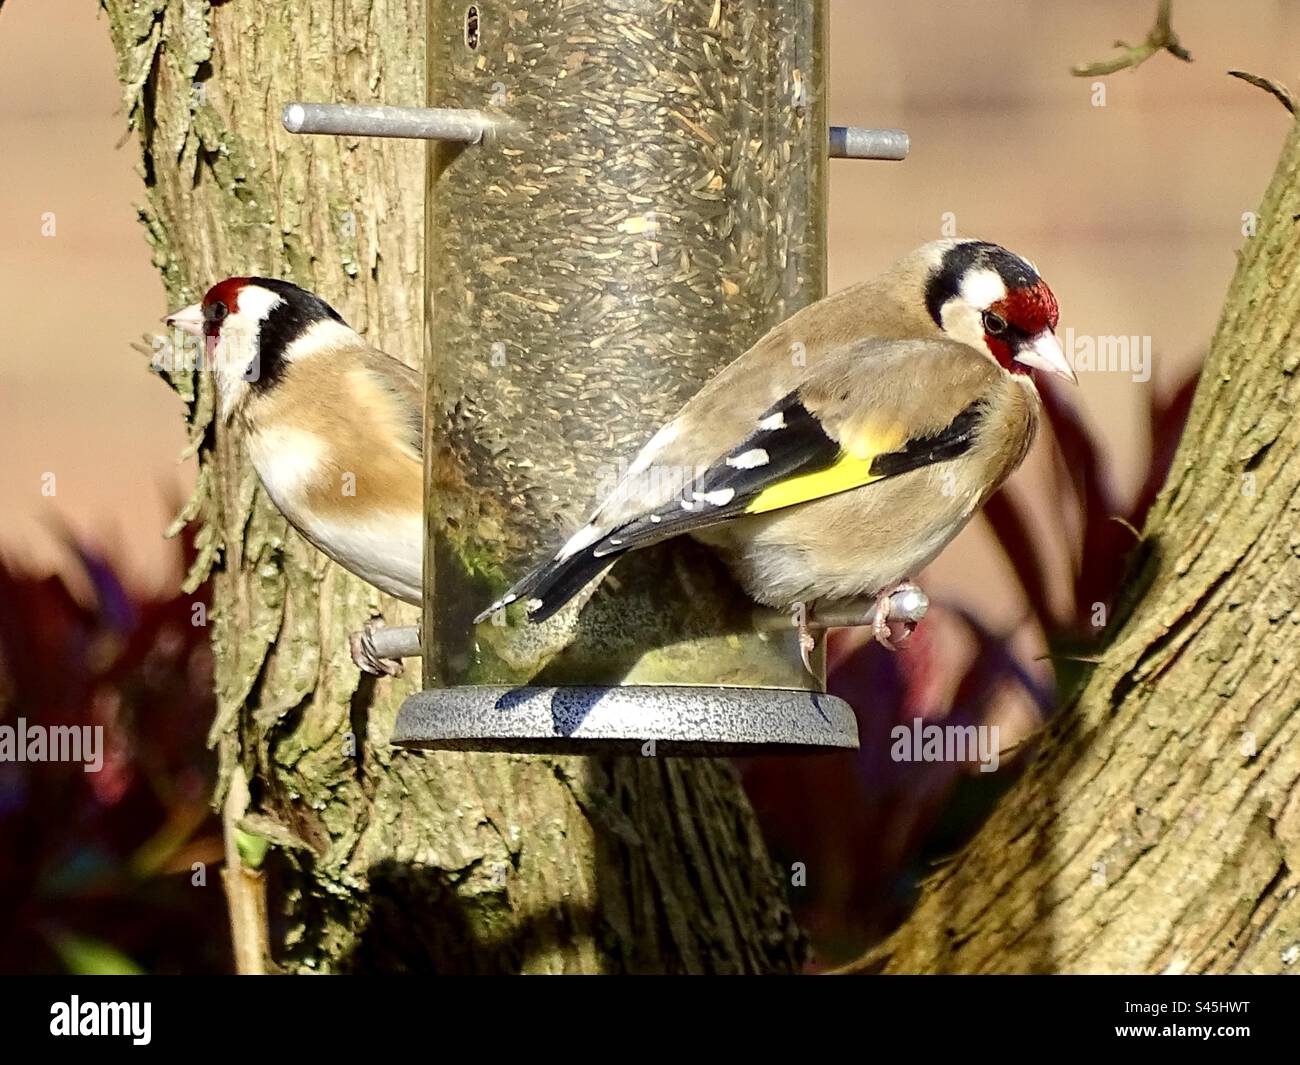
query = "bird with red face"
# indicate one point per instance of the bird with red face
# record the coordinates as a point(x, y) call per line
point(332, 426)
point(841, 453)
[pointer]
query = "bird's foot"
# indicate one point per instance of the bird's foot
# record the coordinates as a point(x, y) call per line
point(904, 605)
point(897, 611)
point(366, 657)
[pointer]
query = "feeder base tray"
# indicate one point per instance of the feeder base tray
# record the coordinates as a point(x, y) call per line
point(585, 720)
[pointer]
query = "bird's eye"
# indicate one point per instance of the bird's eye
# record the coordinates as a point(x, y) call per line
point(216, 312)
point(994, 324)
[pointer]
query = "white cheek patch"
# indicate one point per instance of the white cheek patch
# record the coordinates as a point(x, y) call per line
point(235, 364)
point(961, 321)
point(236, 359)
point(982, 288)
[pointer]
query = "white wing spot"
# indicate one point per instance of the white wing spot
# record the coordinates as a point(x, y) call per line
point(773, 421)
point(749, 460)
point(719, 498)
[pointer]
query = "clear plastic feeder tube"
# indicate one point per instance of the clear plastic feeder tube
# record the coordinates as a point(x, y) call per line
point(650, 202)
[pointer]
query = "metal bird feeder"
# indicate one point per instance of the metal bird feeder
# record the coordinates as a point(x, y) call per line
point(621, 198)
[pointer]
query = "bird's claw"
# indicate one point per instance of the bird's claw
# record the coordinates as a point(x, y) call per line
point(880, 624)
point(365, 656)
point(905, 604)
point(807, 644)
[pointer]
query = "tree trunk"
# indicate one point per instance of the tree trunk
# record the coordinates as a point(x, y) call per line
point(383, 859)
point(1158, 829)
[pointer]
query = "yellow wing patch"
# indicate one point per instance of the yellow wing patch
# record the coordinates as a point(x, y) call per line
point(863, 443)
point(846, 473)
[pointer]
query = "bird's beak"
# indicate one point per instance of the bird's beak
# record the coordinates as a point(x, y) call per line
point(187, 320)
point(1044, 352)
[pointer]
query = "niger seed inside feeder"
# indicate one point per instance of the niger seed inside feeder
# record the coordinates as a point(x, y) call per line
point(629, 140)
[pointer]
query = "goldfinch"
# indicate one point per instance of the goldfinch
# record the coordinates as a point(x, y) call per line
point(842, 452)
point(333, 427)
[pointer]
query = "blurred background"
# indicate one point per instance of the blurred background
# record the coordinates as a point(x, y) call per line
point(1132, 208)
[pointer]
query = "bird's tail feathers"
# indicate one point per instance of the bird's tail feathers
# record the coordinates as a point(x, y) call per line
point(549, 587)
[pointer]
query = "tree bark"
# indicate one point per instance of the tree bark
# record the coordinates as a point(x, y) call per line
point(385, 860)
point(1158, 828)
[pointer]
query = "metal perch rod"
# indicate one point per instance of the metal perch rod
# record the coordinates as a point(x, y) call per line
point(845, 614)
point(424, 123)
point(461, 124)
point(858, 142)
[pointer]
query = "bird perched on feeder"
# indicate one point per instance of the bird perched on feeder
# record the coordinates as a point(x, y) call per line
point(835, 458)
point(333, 427)
point(842, 452)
